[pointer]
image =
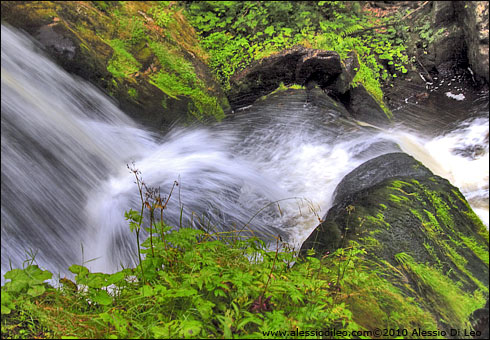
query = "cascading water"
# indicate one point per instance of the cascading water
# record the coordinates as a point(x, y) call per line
point(271, 168)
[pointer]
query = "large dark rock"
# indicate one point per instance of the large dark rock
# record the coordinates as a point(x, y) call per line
point(364, 107)
point(297, 65)
point(474, 20)
point(417, 229)
point(480, 322)
point(80, 36)
point(377, 170)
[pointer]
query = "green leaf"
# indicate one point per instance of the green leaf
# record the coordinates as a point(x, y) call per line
point(95, 280)
point(81, 271)
point(190, 328)
point(269, 30)
point(146, 291)
point(7, 303)
point(5, 309)
point(115, 278)
point(38, 275)
point(36, 290)
point(102, 297)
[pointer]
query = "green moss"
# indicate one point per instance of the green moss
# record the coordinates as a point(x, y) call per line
point(172, 62)
point(442, 209)
point(433, 254)
point(122, 64)
point(370, 242)
point(383, 206)
point(481, 229)
point(178, 78)
point(170, 84)
point(367, 77)
point(383, 303)
point(133, 93)
point(397, 184)
point(435, 232)
point(433, 221)
point(446, 298)
point(477, 248)
point(398, 199)
point(379, 221)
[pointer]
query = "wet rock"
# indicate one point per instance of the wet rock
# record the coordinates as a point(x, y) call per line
point(61, 44)
point(416, 228)
point(319, 66)
point(297, 65)
point(364, 107)
point(480, 322)
point(342, 83)
point(475, 26)
point(316, 96)
point(376, 170)
point(89, 40)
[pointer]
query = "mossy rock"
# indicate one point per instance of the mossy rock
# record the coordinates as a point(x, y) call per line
point(109, 44)
point(418, 230)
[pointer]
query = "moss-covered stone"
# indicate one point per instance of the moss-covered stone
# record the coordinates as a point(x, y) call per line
point(112, 44)
point(421, 232)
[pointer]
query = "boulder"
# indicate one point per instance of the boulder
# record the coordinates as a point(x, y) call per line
point(297, 65)
point(480, 322)
point(342, 83)
point(377, 170)
point(122, 50)
point(475, 26)
point(318, 65)
point(417, 229)
point(362, 106)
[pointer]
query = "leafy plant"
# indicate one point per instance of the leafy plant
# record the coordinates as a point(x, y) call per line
point(236, 33)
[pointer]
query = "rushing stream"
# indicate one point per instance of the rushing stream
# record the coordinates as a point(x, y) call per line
point(271, 168)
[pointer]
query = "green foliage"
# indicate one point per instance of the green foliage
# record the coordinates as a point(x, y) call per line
point(195, 284)
point(122, 64)
point(427, 34)
point(147, 36)
point(29, 280)
point(161, 14)
point(133, 93)
point(236, 33)
point(203, 286)
point(178, 78)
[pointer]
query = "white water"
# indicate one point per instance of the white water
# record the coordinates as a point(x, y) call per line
point(65, 147)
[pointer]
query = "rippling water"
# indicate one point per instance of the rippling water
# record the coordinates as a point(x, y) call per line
point(272, 167)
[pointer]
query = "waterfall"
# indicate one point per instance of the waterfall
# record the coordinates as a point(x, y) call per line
point(271, 168)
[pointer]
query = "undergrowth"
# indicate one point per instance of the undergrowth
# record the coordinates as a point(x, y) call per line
point(236, 33)
point(191, 283)
point(188, 284)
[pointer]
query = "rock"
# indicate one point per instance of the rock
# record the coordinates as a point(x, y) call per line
point(93, 41)
point(417, 230)
point(446, 45)
point(297, 65)
point(449, 49)
point(364, 107)
point(475, 26)
point(264, 76)
point(319, 98)
point(58, 42)
point(376, 170)
point(343, 81)
point(480, 322)
point(319, 66)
